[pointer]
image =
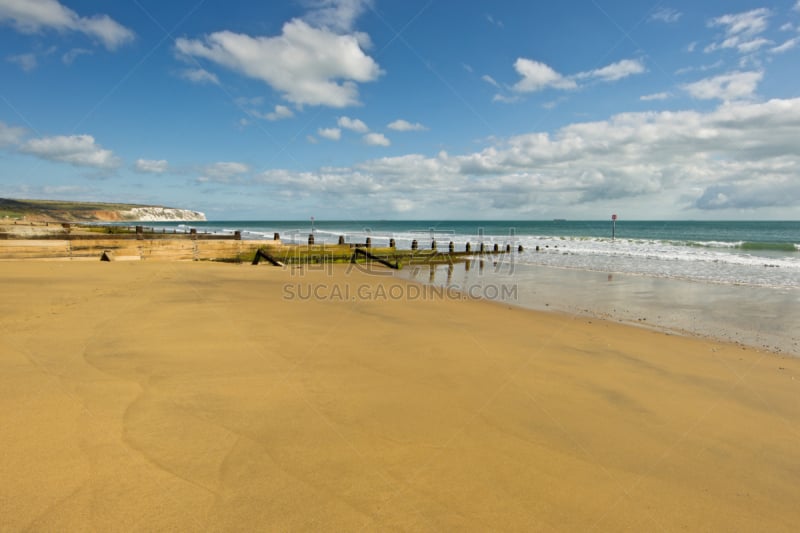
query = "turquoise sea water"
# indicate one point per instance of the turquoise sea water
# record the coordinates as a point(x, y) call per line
point(762, 253)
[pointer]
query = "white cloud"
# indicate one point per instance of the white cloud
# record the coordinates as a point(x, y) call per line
point(151, 166)
point(337, 15)
point(223, 172)
point(10, 134)
point(739, 156)
point(307, 65)
point(786, 46)
point(404, 125)
point(494, 22)
point(740, 30)
point(754, 45)
point(279, 113)
point(199, 75)
point(552, 104)
point(376, 139)
point(71, 55)
point(352, 124)
point(491, 81)
point(691, 46)
point(505, 99)
point(655, 96)
point(31, 16)
point(614, 71)
point(731, 86)
point(537, 76)
point(311, 139)
point(77, 150)
point(787, 27)
point(26, 62)
point(332, 134)
point(700, 68)
point(797, 6)
point(666, 14)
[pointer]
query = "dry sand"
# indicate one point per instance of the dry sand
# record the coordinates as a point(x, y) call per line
point(198, 396)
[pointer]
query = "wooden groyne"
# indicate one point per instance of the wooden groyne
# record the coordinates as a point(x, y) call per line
point(136, 243)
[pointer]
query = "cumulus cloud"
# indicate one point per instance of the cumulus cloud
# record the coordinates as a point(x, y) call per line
point(223, 172)
point(730, 86)
point(199, 75)
point(739, 156)
point(404, 125)
point(77, 150)
point(665, 14)
point(32, 16)
point(307, 65)
point(740, 30)
point(537, 76)
point(332, 134)
point(10, 135)
point(614, 71)
point(151, 166)
point(352, 124)
point(376, 139)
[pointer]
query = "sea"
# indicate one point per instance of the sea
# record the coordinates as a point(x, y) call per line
point(735, 280)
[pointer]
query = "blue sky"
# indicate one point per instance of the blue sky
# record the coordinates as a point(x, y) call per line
point(390, 109)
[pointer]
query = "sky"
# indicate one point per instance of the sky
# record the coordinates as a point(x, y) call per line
point(412, 109)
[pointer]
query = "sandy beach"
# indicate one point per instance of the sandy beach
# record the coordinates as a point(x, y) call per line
point(199, 396)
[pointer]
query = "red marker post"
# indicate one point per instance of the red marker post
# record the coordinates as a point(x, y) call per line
point(613, 226)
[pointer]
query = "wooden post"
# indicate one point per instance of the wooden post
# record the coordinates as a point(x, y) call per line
point(310, 239)
point(468, 249)
point(237, 235)
point(483, 249)
point(276, 236)
point(508, 248)
point(414, 245)
point(341, 239)
point(520, 249)
point(369, 242)
point(433, 245)
point(392, 243)
point(613, 226)
point(193, 233)
point(139, 235)
point(496, 248)
point(452, 247)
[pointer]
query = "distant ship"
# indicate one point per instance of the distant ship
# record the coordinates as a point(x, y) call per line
point(559, 220)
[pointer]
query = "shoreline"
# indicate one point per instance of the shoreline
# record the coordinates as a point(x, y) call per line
point(759, 317)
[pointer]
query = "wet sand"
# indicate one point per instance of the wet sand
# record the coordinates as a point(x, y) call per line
point(196, 396)
point(761, 317)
